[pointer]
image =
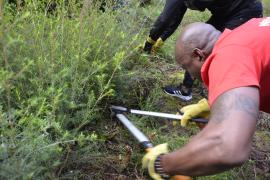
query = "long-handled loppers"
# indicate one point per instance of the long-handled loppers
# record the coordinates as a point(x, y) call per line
point(122, 110)
point(142, 139)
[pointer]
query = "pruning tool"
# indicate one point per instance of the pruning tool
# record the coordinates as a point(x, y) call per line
point(142, 139)
point(121, 110)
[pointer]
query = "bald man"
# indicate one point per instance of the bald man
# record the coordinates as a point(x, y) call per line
point(235, 66)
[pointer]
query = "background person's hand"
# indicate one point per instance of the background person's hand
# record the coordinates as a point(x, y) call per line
point(148, 45)
point(157, 45)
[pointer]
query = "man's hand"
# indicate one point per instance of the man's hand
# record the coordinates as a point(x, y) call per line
point(157, 45)
point(199, 110)
point(148, 161)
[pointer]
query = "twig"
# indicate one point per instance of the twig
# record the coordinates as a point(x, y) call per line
point(254, 170)
point(1, 12)
point(65, 162)
point(50, 145)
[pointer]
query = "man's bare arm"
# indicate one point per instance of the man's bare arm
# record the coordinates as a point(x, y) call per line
point(225, 142)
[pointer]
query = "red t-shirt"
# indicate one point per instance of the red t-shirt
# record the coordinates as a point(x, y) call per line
point(241, 57)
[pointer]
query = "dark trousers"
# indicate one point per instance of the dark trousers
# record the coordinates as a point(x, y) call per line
point(168, 20)
point(248, 11)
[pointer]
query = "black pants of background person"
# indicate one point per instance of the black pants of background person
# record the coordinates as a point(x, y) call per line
point(168, 20)
point(247, 12)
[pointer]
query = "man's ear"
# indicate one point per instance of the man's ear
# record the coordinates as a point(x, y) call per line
point(198, 52)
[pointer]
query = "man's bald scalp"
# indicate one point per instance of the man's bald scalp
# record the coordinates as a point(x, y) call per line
point(198, 35)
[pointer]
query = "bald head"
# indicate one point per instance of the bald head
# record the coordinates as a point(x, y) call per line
point(195, 43)
point(198, 35)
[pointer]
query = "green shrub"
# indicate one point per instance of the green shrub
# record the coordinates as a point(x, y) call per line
point(56, 70)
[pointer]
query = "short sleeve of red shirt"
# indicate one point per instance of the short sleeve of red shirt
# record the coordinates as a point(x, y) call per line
point(224, 70)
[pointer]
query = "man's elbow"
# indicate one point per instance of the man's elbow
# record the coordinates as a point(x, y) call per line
point(234, 155)
point(237, 158)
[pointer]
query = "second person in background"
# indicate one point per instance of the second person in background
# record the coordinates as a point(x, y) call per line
point(225, 14)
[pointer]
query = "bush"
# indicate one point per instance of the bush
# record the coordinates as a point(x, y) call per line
point(56, 70)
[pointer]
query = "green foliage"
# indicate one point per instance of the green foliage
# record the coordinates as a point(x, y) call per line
point(56, 70)
point(61, 67)
point(266, 7)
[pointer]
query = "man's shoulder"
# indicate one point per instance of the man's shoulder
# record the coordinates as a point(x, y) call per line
point(252, 35)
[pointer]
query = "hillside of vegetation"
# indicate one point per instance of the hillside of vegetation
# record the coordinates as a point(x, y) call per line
point(62, 68)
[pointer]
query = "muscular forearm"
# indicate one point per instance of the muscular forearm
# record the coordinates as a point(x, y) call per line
point(195, 160)
point(225, 142)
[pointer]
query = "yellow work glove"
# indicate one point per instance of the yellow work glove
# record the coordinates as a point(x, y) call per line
point(157, 45)
point(150, 40)
point(148, 161)
point(199, 110)
point(147, 46)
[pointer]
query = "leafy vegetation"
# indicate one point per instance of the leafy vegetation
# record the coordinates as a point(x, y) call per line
point(62, 68)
